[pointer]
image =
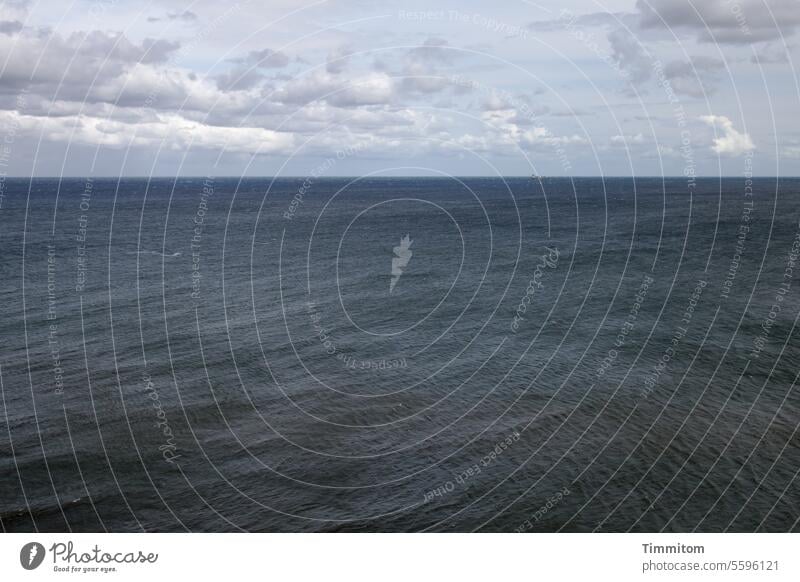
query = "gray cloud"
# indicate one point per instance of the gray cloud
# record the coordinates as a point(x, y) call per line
point(771, 54)
point(69, 66)
point(695, 78)
point(423, 67)
point(338, 59)
point(246, 75)
point(436, 50)
point(268, 59)
point(239, 79)
point(740, 21)
point(627, 52)
point(10, 26)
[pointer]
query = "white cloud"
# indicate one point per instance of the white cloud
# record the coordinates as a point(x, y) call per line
point(170, 131)
point(791, 152)
point(370, 89)
point(504, 132)
point(627, 140)
point(731, 142)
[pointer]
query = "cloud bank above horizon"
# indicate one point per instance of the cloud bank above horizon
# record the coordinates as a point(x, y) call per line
point(634, 87)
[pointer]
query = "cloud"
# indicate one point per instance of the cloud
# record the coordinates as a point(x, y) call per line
point(51, 65)
point(627, 52)
point(112, 88)
point(185, 16)
point(371, 89)
point(170, 131)
point(695, 77)
point(239, 79)
point(10, 27)
point(494, 102)
point(368, 89)
point(267, 59)
point(737, 22)
point(732, 142)
point(626, 140)
point(423, 67)
point(14, 10)
point(436, 50)
point(791, 152)
point(514, 109)
point(419, 78)
point(338, 59)
point(103, 89)
point(502, 131)
point(567, 19)
point(771, 54)
point(246, 75)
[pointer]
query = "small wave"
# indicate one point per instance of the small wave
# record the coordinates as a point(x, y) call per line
point(39, 510)
point(157, 253)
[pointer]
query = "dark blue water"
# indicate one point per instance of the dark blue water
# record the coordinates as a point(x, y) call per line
point(576, 355)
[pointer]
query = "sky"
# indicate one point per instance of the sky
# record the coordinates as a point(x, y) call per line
point(352, 87)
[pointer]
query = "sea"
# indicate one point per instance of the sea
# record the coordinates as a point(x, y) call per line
point(387, 354)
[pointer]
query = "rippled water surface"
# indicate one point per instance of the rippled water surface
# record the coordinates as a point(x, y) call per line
point(216, 354)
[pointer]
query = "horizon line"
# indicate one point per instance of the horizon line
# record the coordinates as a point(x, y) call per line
point(303, 176)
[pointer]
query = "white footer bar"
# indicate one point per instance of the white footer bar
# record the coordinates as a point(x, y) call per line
point(401, 557)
